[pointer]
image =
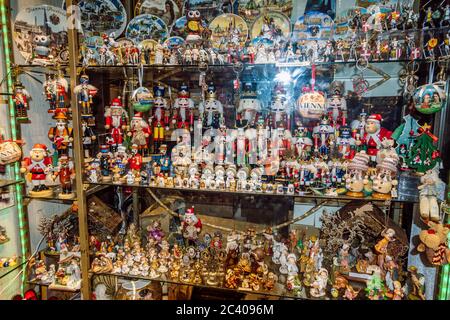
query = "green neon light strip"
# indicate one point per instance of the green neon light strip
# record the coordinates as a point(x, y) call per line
point(14, 136)
point(444, 291)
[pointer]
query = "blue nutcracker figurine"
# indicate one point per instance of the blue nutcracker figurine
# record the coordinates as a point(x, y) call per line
point(163, 160)
point(105, 157)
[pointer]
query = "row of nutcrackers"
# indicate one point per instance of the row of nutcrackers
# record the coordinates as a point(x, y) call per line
point(43, 168)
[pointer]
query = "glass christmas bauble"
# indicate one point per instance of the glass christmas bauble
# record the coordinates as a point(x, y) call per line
point(429, 98)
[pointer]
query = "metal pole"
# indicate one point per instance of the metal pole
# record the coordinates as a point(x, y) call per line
point(78, 154)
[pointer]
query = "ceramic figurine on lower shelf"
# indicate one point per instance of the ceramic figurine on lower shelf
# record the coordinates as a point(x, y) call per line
point(66, 173)
point(319, 285)
point(38, 165)
point(191, 226)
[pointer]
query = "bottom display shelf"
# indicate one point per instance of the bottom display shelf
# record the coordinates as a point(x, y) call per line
point(278, 291)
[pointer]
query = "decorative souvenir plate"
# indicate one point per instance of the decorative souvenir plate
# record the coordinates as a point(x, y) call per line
point(100, 17)
point(40, 33)
point(273, 26)
point(314, 25)
point(179, 28)
point(251, 9)
point(168, 10)
point(174, 42)
point(146, 26)
point(228, 29)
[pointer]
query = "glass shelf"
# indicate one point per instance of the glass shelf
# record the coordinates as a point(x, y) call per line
point(6, 183)
point(4, 271)
point(59, 288)
point(261, 194)
point(218, 67)
point(278, 291)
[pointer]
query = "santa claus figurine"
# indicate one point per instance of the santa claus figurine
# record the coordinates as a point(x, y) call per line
point(39, 164)
point(140, 132)
point(191, 226)
point(116, 119)
point(184, 105)
point(60, 135)
point(373, 135)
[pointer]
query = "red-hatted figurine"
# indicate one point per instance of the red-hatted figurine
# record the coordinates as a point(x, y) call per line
point(38, 165)
point(116, 119)
point(373, 135)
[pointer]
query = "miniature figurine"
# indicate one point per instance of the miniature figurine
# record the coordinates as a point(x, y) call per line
point(356, 178)
point(160, 114)
point(116, 119)
point(61, 134)
point(194, 26)
point(139, 132)
point(21, 98)
point(66, 173)
point(184, 107)
point(39, 164)
point(384, 183)
point(191, 226)
point(211, 110)
point(373, 135)
point(85, 92)
point(429, 193)
point(319, 284)
point(104, 157)
point(249, 106)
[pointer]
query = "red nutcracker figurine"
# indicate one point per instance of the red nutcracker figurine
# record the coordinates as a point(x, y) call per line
point(38, 165)
point(140, 132)
point(373, 135)
point(66, 173)
point(21, 97)
point(184, 113)
point(61, 134)
point(160, 114)
point(116, 119)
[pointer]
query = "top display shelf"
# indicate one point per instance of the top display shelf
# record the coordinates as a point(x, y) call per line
point(99, 68)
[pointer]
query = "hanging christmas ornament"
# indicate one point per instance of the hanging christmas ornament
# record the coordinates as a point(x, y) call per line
point(21, 98)
point(430, 98)
point(311, 104)
point(142, 97)
point(10, 152)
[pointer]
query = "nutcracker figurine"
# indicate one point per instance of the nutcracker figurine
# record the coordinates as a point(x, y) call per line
point(116, 119)
point(191, 226)
point(66, 173)
point(140, 132)
point(55, 90)
point(337, 105)
point(85, 92)
point(184, 109)
point(279, 110)
point(160, 114)
point(61, 134)
point(21, 98)
point(324, 133)
point(373, 135)
point(162, 160)
point(211, 110)
point(249, 107)
point(346, 143)
point(88, 139)
point(105, 158)
point(38, 165)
